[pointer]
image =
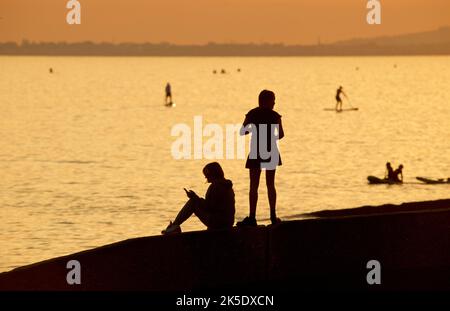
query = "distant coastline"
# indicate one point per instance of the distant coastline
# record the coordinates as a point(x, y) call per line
point(426, 43)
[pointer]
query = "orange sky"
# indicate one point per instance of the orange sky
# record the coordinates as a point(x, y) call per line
point(224, 21)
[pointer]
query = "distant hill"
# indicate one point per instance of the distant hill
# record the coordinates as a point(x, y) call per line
point(425, 43)
point(436, 37)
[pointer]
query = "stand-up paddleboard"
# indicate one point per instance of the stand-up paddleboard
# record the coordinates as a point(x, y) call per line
point(342, 110)
point(431, 181)
point(171, 104)
point(378, 181)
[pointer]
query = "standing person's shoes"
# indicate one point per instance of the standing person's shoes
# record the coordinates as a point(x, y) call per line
point(275, 220)
point(247, 222)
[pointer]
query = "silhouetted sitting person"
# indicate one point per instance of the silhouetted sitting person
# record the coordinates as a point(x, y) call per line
point(389, 172)
point(216, 210)
point(398, 174)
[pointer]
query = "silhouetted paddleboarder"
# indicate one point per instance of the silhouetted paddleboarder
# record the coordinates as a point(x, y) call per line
point(168, 94)
point(339, 99)
point(390, 176)
point(389, 172)
point(262, 122)
point(398, 174)
point(216, 210)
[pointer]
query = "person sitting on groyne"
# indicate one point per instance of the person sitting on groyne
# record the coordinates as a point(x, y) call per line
point(216, 210)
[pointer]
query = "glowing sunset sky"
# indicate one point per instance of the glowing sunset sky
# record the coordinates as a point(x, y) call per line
point(224, 21)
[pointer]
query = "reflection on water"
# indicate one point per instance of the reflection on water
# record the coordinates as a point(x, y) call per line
point(86, 151)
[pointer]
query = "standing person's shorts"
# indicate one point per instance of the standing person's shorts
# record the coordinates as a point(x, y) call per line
point(256, 163)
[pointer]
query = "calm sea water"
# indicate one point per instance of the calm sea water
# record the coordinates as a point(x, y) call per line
point(85, 155)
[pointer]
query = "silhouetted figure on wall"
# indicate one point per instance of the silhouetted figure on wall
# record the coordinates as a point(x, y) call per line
point(339, 99)
point(168, 94)
point(216, 210)
point(263, 122)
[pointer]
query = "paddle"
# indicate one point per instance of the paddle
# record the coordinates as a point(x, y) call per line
point(351, 107)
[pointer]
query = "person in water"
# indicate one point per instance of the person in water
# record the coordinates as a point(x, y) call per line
point(216, 210)
point(398, 174)
point(265, 125)
point(168, 94)
point(389, 172)
point(339, 99)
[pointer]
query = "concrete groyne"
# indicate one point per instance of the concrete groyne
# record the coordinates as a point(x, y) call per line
point(329, 252)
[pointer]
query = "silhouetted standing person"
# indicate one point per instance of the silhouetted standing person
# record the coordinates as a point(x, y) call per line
point(168, 94)
point(216, 210)
point(339, 99)
point(263, 122)
point(50, 70)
